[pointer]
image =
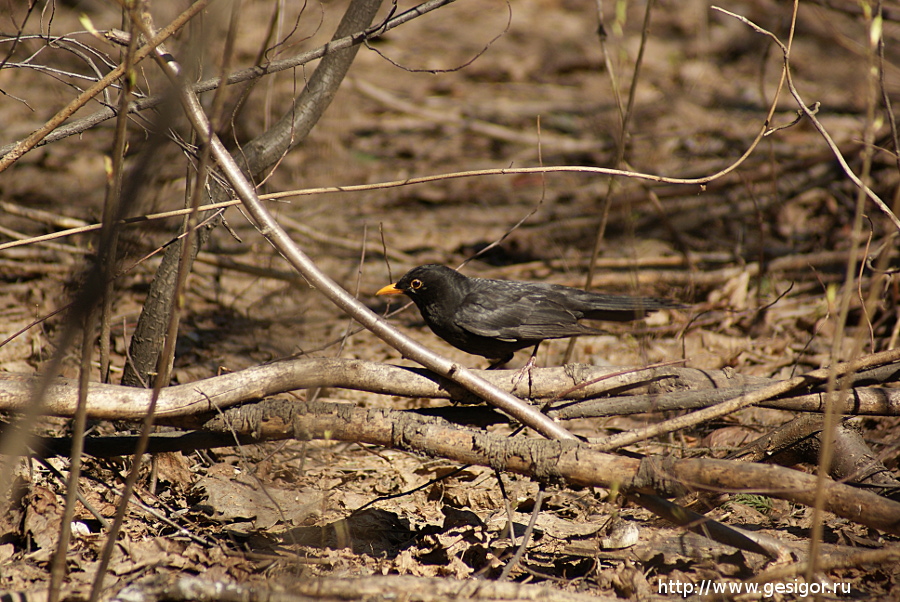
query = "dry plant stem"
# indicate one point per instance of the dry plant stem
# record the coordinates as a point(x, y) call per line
point(78, 495)
point(625, 116)
point(31, 141)
point(334, 240)
point(569, 461)
point(113, 198)
point(72, 250)
point(123, 222)
point(620, 152)
point(58, 564)
point(510, 530)
point(602, 34)
point(886, 98)
point(837, 386)
point(526, 536)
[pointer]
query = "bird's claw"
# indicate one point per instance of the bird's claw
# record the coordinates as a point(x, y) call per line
point(528, 369)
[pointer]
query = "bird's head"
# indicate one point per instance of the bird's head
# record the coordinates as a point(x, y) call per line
point(426, 284)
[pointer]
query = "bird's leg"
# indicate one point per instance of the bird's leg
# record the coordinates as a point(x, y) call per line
point(528, 368)
point(501, 362)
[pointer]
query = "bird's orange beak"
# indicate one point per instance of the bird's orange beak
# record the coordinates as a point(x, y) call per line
point(390, 289)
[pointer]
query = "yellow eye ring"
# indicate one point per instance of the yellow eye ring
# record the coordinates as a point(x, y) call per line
point(416, 284)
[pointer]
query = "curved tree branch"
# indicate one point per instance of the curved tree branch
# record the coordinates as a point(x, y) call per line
point(599, 391)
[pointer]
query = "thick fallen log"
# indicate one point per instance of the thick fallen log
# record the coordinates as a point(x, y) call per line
point(663, 388)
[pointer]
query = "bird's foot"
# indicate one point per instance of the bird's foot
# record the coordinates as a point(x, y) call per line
point(528, 369)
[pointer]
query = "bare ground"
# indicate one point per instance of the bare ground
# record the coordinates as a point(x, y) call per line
point(761, 255)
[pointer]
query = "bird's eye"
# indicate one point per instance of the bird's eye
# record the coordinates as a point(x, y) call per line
point(415, 284)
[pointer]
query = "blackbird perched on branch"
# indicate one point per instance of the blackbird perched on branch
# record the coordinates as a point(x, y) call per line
point(495, 318)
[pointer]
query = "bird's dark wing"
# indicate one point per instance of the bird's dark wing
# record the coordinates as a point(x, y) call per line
point(610, 308)
point(518, 311)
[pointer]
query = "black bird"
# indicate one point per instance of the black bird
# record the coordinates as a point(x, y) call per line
point(495, 318)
